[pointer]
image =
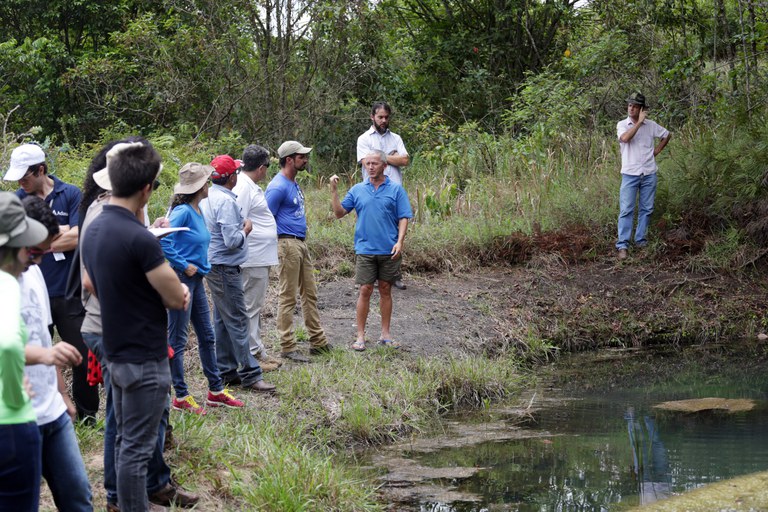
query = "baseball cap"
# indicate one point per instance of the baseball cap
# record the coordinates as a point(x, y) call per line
point(223, 166)
point(192, 177)
point(16, 229)
point(21, 158)
point(291, 147)
point(102, 177)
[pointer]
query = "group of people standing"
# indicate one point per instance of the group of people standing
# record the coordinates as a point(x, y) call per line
point(111, 284)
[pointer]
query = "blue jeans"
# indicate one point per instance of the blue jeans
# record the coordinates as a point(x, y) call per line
point(158, 472)
point(643, 190)
point(140, 398)
point(20, 467)
point(230, 322)
point(63, 467)
point(178, 326)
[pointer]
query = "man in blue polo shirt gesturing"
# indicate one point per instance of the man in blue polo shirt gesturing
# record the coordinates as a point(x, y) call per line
point(383, 211)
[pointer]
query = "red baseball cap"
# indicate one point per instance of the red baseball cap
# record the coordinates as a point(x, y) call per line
point(223, 167)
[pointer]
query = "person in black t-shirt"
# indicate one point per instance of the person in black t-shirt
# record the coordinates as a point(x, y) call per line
point(126, 270)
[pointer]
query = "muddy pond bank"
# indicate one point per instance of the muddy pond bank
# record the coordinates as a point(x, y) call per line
point(549, 304)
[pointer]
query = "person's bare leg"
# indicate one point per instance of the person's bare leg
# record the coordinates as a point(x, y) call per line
point(385, 307)
point(363, 305)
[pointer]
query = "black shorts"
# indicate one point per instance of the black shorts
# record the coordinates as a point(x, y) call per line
point(372, 267)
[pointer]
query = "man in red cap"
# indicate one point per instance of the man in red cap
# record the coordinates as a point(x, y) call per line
point(227, 251)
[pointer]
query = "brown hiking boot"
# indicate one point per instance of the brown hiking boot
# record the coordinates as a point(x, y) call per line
point(174, 494)
point(623, 254)
point(269, 363)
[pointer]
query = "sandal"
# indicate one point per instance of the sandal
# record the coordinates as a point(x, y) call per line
point(389, 343)
point(358, 346)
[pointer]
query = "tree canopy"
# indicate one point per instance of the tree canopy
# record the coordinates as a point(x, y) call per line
point(267, 70)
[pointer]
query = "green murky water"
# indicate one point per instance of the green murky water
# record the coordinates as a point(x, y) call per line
point(608, 449)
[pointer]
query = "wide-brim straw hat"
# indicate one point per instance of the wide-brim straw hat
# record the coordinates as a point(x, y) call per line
point(192, 177)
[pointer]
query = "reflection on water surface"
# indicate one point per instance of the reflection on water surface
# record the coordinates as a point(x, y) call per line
point(607, 450)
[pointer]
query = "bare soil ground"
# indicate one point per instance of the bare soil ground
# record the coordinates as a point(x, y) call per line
point(573, 306)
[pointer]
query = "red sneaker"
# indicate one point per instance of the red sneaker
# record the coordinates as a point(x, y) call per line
point(188, 404)
point(223, 399)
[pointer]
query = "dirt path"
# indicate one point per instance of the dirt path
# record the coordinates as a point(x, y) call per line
point(575, 306)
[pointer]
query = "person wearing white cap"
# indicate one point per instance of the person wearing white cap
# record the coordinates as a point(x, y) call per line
point(29, 169)
point(20, 465)
point(297, 273)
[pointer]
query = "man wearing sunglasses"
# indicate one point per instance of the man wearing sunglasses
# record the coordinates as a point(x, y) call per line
point(262, 247)
point(29, 169)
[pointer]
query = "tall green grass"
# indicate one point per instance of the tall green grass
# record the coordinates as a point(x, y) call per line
point(475, 187)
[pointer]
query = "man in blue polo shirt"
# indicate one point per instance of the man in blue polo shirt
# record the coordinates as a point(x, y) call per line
point(383, 211)
point(296, 271)
point(28, 167)
point(286, 202)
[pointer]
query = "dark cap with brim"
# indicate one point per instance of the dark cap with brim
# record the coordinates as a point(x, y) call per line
point(636, 98)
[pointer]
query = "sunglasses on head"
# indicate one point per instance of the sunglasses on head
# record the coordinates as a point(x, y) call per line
point(155, 184)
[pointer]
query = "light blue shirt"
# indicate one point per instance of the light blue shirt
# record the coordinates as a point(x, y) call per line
point(225, 223)
point(378, 215)
point(184, 247)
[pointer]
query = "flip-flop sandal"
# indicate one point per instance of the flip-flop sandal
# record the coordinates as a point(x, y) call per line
point(389, 343)
point(359, 346)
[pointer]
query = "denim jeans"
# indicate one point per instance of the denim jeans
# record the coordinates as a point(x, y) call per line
point(255, 284)
point(178, 326)
point(20, 467)
point(231, 326)
point(139, 397)
point(643, 190)
point(63, 467)
point(158, 472)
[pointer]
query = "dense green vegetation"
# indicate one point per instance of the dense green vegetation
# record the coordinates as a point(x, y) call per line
point(508, 107)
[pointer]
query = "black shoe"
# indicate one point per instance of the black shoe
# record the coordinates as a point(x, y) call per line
point(174, 494)
point(318, 351)
point(231, 381)
point(294, 356)
point(400, 285)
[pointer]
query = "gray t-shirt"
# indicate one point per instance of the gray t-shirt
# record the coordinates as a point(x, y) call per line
point(92, 321)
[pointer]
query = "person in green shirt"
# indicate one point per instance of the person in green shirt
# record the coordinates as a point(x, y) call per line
point(20, 457)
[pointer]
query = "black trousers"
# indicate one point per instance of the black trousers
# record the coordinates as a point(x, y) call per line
point(67, 318)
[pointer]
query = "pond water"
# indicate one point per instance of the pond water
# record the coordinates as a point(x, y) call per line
point(602, 449)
